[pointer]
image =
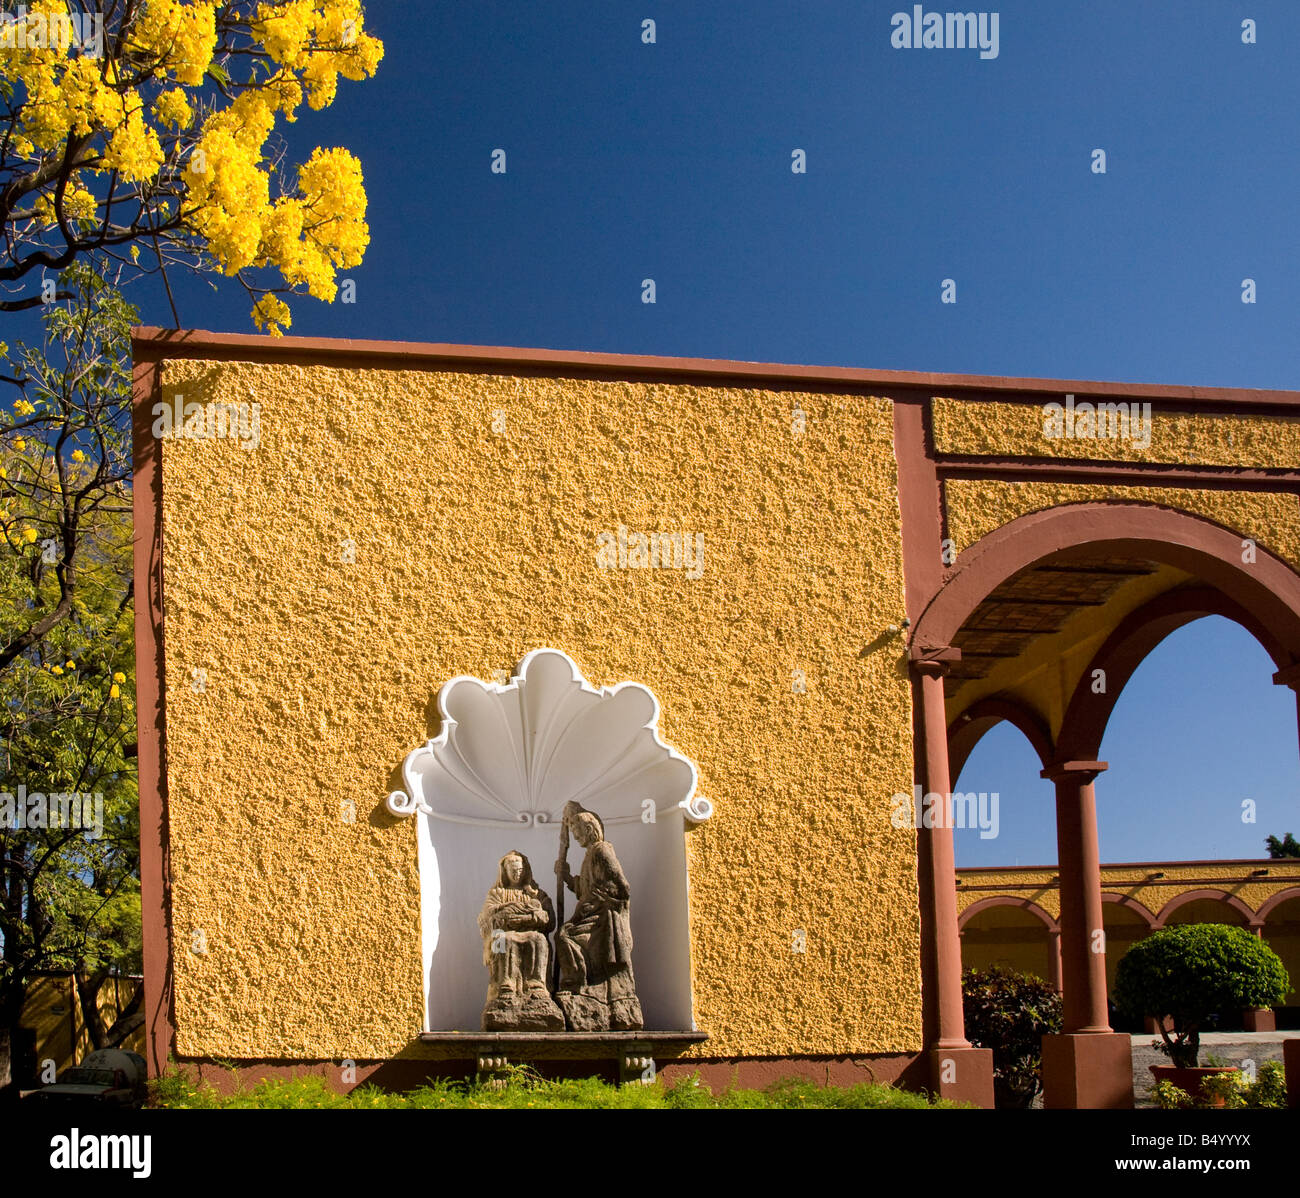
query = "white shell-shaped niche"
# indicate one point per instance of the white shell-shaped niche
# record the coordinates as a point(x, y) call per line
point(496, 778)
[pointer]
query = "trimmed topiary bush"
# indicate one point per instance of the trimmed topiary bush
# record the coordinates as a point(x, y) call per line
point(1188, 972)
point(1010, 1012)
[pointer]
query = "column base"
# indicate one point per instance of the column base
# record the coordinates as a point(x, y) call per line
point(962, 1074)
point(1088, 1071)
point(1259, 1019)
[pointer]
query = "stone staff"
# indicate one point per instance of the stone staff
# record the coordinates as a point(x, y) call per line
point(560, 863)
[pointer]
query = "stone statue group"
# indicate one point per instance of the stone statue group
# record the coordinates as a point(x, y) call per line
point(592, 982)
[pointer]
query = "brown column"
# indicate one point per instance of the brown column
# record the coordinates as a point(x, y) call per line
point(1083, 952)
point(957, 1070)
point(1054, 958)
point(1087, 1065)
point(938, 863)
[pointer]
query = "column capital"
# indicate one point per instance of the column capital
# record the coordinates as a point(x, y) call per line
point(933, 661)
point(1288, 676)
point(1085, 771)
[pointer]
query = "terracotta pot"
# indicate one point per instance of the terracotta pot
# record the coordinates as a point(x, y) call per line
point(1190, 1079)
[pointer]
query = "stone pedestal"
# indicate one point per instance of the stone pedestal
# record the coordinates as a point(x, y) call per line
point(1291, 1063)
point(962, 1074)
point(1092, 1070)
point(1259, 1019)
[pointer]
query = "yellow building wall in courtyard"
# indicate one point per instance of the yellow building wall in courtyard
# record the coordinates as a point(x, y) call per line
point(298, 681)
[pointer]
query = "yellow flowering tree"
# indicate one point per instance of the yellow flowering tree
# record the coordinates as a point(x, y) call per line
point(148, 125)
point(67, 714)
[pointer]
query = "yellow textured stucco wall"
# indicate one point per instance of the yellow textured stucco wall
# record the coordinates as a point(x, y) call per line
point(975, 507)
point(975, 427)
point(472, 547)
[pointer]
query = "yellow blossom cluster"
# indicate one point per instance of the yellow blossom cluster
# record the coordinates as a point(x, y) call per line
point(164, 113)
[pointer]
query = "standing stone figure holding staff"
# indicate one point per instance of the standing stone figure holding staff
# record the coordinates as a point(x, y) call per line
point(594, 948)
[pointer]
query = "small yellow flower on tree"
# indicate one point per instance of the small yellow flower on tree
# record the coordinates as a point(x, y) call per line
point(155, 131)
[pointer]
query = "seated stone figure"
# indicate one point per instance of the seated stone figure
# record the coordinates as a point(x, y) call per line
point(514, 921)
point(594, 948)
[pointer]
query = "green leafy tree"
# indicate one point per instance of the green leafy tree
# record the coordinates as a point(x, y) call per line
point(69, 888)
point(1187, 973)
point(1288, 846)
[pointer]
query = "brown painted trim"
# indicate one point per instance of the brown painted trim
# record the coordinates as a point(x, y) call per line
point(1192, 896)
point(1139, 883)
point(1118, 473)
point(968, 729)
point(987, 904)
point(1197, 862)
point(1269, 589)
point(1276, 900)
point(155, 853)
point(155, 344)
point(1164, 402)
point(920, 506)
point(1132, 641)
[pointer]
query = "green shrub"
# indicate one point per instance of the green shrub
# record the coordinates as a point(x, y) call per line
point(1188, 972)
point(1267, 1091)
point(1169, 1097)
point(1010, 1012)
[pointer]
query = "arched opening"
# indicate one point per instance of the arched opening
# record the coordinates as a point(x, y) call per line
point(1052, 613)
point(1280, 920)
point(1206, 906)
point(1197, 771)
point(999, 748)
point(1012, 932)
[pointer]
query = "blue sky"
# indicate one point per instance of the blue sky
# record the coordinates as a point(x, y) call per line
point(671, 161)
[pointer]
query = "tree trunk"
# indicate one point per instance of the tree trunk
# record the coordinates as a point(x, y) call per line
point(11, 1007)
point(130, 1017)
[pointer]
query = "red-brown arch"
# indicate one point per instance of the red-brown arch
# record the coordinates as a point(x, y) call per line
point(1191, 896)
point(1123, 900)
point(1268, 589)
point(1087, 714)
point(969, 727)
point(1276, 900)
point(1004, 900)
